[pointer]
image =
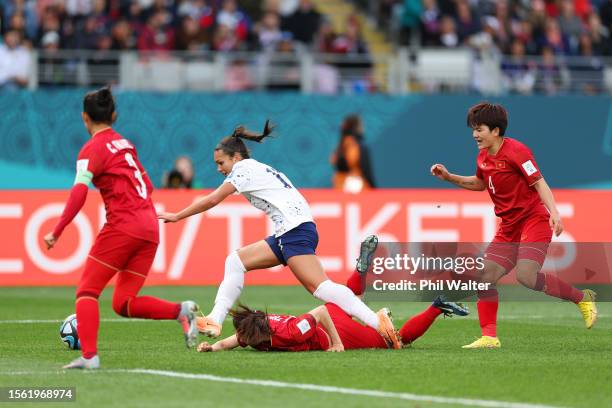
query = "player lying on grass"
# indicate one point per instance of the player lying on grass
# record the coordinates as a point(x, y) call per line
point(529, 217)
point(294, 242)
point(326, 327)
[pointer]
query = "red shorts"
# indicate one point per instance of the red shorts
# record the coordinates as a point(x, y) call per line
point(527, 239)
point(353, 334)
point(121, 252)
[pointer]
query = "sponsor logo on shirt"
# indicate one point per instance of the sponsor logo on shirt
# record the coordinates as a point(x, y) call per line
point(303, 325)
point(529, 167)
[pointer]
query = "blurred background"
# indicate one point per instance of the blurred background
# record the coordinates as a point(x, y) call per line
point(365, 93)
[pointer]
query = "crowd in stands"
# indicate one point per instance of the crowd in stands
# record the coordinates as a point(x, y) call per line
point(549, 31)
point(220, 25)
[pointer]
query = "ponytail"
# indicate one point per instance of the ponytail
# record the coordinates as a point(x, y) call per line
point(233, 144)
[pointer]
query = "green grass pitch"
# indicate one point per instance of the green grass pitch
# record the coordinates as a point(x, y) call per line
point(547, 357)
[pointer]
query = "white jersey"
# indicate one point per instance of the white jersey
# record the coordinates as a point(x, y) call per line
point(272, 192)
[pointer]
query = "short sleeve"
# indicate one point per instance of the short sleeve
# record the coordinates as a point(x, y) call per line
point(302, 327)
point(88, 166)
point(524, 161)
point(479, 172)
point(241, 177)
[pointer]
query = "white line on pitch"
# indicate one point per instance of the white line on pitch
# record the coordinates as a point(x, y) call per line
point(118, 320)
point(471, 402)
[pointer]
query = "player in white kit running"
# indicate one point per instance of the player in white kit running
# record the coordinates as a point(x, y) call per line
point(294, 241)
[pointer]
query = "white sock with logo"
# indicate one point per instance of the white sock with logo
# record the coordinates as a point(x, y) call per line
point(230, 289)
point(342, 296)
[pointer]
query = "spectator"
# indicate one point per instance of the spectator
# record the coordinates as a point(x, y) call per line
point(467, 24)
point(587, 73)
point(184, 166)
point(549, 79)
point(519, 74)
point(553, 38)
point(14, 62)
point(174, 180)
point(605, 11)
point(225, 39)
point(190, 37)
point(430, 23)
point(410, 22)
point(570, 25)
point(268, 31)
point(350, 42)
point(27, 12)
point(122, 36)
point(155, 36)
point(599, 35)
point(303, 23)
point(351, 159)
point(448, 33)
point(234, 19)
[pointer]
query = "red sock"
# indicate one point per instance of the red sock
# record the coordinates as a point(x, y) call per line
point(419, 324)
point(149, 307)
point(553, 286)
point(488, 302)
point(356, 283)
point(88, 322)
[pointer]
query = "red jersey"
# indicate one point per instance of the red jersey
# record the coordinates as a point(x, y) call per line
point(123, 183)
point(290, 333)
point(510, 175)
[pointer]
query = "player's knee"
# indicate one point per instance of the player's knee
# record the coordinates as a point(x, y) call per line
point(526, 278)
point(120, 305)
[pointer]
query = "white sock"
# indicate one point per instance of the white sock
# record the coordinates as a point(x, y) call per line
point(332, 292)
point(230, 288)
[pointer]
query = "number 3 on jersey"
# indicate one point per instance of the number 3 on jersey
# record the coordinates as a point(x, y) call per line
point(491, 186)
point(142, 189)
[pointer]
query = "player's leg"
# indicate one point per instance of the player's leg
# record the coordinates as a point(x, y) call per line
point(127, 303)
point(353, 334)
point(417, 325)
point(531, 256)
point(357, 281)
point(105, 259)
point(258, 255)
point(309, 271)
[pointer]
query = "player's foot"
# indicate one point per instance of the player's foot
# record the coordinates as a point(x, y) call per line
point(187, 319)
point(386, 329)
point(208, 327)
point(84, 363)
point(484, 342)
point(366, 250)
point(450, 308)
point(588, 308)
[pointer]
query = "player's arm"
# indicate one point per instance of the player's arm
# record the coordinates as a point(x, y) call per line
point(200, 205)
point(473, 183)
point(226, 344)
point(321, 315)
point(76, 200)
point(548, 199)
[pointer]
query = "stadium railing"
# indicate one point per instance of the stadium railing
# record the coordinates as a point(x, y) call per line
point(427, 70)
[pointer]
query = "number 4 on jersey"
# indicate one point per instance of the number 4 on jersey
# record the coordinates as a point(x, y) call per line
point(142, 189)
point(491, 186)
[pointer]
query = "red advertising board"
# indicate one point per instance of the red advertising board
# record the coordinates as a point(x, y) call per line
point(193, 251)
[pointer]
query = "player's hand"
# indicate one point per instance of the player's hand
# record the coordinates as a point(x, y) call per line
point(439, 171)
point(167, 216)
point(205, 347)
point(50, 240)
point(556, 224)
point(336, 348)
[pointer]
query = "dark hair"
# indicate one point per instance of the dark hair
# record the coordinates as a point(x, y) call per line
point(233, 144)
point(350, 126)
point(490, 114)
point(100, 105)
point(251, 326)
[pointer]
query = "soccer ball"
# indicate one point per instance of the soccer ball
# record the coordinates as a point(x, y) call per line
point(68, 333)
